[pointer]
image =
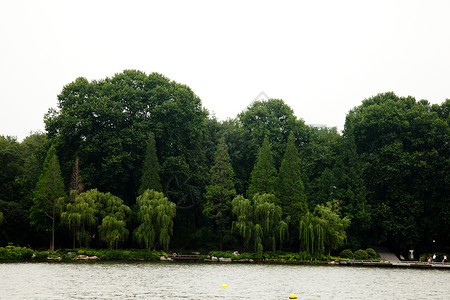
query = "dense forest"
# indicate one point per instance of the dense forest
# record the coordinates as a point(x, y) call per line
point(135, 161)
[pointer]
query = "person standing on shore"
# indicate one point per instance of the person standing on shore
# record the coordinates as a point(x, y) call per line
point(444, 259)
point(434, 257)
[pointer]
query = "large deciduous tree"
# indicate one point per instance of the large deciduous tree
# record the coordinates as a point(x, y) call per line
point(221, 190)
point(106, 122)
point(49, 189)
point(402, 145)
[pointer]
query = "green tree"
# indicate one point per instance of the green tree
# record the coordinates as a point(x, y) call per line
point(150, 171)
point(274, 120)
point(290, 191)
point(106, 122)
point(259, 222)
point(155, 214)
point(402, 146)
point(311, 234)
point(221, 190)
point(333, 225)
point(81, 215)
point(264, 174)
point(1, 217)
point(49, 189)
point(114, 214)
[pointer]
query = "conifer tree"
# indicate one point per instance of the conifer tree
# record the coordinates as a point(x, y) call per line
point(221, 190)
point(150, 171)
point(49, 190)
point(290, 190)
point(264, 174)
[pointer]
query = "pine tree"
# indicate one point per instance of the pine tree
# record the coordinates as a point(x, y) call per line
point(49, 190)
point(264, 174)
point(221, 190)
point(150, 171)
point(290, 190)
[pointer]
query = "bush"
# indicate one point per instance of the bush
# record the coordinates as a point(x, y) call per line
point(13, 252)
point(371, 253)
point(346, 253)
point(361, 254)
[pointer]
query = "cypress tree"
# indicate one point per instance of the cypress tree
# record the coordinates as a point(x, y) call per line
point(49, 190)
point(150, 171)
point(290, 190)
point(221, 190)
point(264, 174)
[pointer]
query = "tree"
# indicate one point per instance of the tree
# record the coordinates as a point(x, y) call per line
point(155, 214)
point(106, 122)
point(221, 190)
point(81, 215)
point(264, 174)
point(333, 226)
point(113, 213)
point(311, 234)
point(290, 191)
point(402, 147)
point(49, 189)
point(1, 217)
point(259, 222)
point(274, 120)
point(150, 171)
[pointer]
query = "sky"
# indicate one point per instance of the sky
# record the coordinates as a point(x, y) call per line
point(322, 58)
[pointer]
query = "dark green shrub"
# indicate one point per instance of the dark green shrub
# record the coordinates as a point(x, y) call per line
point(346, 253)
point(13, 252)
point(361, 254)
point(371, 253)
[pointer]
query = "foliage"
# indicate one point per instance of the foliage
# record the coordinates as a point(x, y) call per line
point(312, 235)
point(49, 190)
point(259, 222)
point(274, 120)
point(105, 122)
point(360, 254)
point(80, 215)
point(221, 190)
point(346, 253)
point(402, 146)
point(150, 170)
point(91, 207)
point(290, 191)
point(333, 225)
point(12, 252)
point(372, 254)
point(264, 174)
point(155, 215)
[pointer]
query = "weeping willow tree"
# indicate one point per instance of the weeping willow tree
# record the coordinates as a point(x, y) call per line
point(325, 230)
point(113, 213)
point(311, 234)
point(259, 222)
point(334, 226)
point(80, 215)
point(155, 214)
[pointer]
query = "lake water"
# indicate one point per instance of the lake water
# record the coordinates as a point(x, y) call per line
point(145, 280)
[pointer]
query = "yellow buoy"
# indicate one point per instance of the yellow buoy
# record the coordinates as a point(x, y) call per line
point(292, 296)
point(224, 285)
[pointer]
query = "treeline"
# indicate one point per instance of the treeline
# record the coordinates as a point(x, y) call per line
point(135, 161)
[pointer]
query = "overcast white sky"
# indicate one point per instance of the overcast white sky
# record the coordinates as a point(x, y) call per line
point(321, 57)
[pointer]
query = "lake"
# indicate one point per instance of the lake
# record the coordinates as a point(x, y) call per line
point(146, 280)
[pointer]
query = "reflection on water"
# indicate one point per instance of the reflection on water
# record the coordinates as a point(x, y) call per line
point(204, 281)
